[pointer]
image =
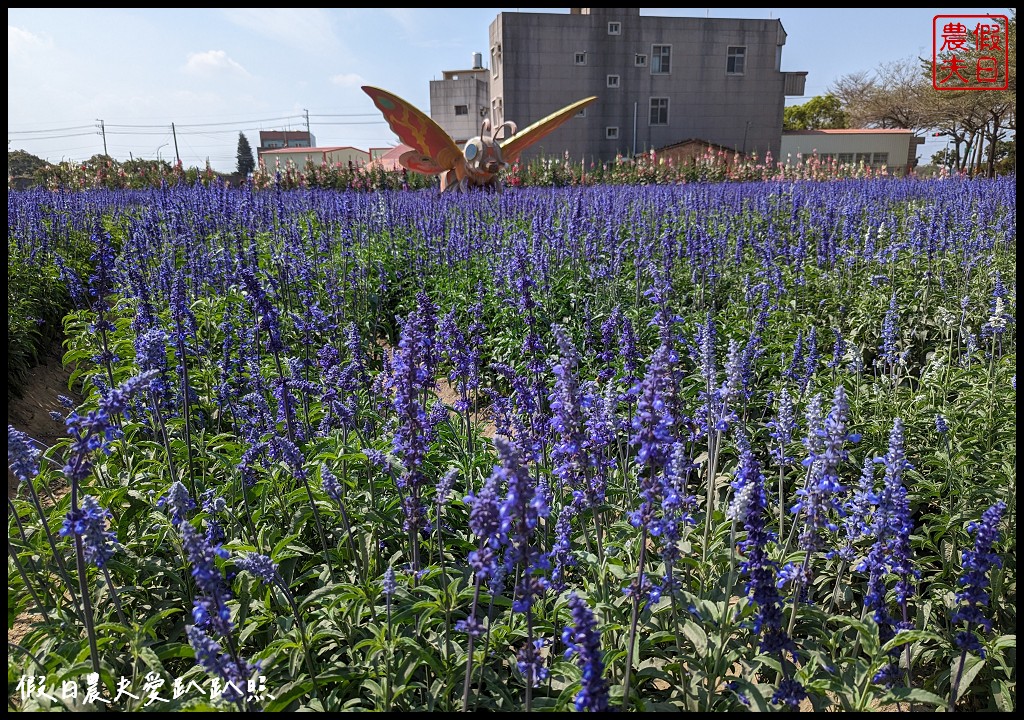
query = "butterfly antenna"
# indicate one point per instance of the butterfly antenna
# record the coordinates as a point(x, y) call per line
point(508, 126)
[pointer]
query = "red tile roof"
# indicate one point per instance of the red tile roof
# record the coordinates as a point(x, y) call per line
point(850, 131)
point(694, 141)
point(389, 160)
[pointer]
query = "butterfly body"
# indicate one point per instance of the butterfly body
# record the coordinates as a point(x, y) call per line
point(478, 164)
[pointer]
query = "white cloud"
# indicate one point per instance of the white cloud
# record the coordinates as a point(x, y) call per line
point(307, 29)
point(348, 80)
point(20, 41)
point(212, 62)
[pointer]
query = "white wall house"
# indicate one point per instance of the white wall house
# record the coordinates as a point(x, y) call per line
point(301, 156)
point(892, 148)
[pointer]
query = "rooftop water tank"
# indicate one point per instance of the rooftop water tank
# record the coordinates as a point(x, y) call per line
point(478, 61)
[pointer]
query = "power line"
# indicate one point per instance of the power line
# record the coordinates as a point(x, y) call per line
point(211, 131)
point(163, 131)
point(51, 130)
point(167, 124)
point(59, 137)
point(142, 130)
point(197, 125)
point(369, 122)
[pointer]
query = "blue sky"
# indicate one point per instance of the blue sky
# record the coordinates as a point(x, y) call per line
point(216, 72)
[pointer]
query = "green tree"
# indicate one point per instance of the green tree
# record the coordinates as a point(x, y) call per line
point(22, 164)
point(945, 157)
point(819, 113)
point(246, 162)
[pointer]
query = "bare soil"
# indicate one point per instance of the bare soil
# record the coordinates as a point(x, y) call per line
point(30, 413)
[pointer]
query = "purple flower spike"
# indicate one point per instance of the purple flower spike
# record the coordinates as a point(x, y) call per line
point(583, 638)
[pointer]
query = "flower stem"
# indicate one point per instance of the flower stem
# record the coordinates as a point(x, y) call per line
point(633, 619)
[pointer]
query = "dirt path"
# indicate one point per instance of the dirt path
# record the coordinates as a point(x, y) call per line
point(30, 413)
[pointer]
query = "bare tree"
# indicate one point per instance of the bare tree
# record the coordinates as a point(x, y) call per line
point(855, 91)
point(889, 97)
point(977, 121)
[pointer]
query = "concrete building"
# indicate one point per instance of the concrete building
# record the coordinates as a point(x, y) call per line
point(461, 100)
point(273, 139)
point(277, 139)
point(893, 148)
point(659, 80)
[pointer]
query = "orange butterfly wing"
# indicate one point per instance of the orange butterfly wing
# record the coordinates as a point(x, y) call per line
point(512, 147)
point(418, 162)
point(437, 150)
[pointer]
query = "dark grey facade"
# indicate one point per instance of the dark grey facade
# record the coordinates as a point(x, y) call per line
point(460, 101)
point(659, 80)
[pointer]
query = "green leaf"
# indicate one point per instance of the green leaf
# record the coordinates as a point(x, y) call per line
point(971, 667)
point(148, 656)
point(153, 621)
point(288, 694)
point(374, 687)
point(1002, 695)
point(1004, 641)
point(909, 636)
point(175, 650)
point(697, 636)
point(321, 593)
point(912, 695)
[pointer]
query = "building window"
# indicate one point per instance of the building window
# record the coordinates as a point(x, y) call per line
point(845, 158)
point(581, 58)
point(495, 59)
point(661, 59)
point(497, 111)
point(737, 60)
point(614, 28)
point(613, 81)
point(826, 157)
point(880, 159)
point(640, 60)
point(611, 133)
point(462, 109)
point(659, 111)
point(863, 158)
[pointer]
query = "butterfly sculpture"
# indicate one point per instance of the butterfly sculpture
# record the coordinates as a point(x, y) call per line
point(479, 163)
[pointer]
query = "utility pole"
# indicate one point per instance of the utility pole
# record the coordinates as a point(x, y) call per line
point(176, 153)
point(304, 110)
point(103, 132)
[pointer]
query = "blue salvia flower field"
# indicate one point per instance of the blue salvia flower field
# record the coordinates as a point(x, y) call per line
point(705, 447)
